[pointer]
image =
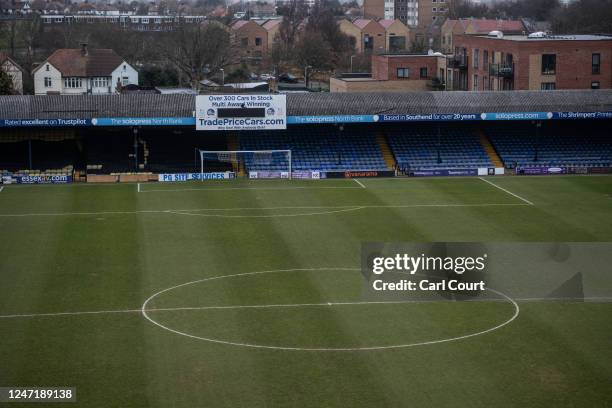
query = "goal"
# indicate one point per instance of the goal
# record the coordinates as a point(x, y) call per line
point(249, 163)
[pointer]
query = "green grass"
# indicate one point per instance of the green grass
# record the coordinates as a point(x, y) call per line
point(109, 248)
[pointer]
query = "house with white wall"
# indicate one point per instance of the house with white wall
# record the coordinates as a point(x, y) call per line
point(13, 70)
point(83, 71)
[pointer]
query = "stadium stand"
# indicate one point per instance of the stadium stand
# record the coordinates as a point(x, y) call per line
point(109, 152)
point(174, 150)
point(556, 145)
point(38, 152)
point(421, 147)
point(322, 148)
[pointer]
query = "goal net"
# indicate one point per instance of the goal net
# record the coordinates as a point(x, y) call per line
point(247, 163)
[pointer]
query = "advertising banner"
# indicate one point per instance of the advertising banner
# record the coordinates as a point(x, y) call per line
point(241, 112)
point(444, 172)
point(44, 122)
point(528, 171)
point(44, 179)
point(173, 177)
point(303, 120)
point(359, 174)
point(143, 121)
point(298, 174)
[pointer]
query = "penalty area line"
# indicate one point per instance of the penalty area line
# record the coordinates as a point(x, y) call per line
point(360, 183)
point(507, 191)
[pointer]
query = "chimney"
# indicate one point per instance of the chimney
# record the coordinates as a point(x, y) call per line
point(84, 49)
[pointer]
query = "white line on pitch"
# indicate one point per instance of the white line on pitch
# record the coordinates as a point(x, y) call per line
point(507, 191)
point(297, 305)
point(1, 188)
point(245, 188)
point(138, 187)
point(359, 182)
point(185, 210)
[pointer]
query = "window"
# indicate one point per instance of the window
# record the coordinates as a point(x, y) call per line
point(441, 9)
point(476, 58)
point(72, 82)
point(47, 67)
point(423, 72)
point(257, 41)
point(403, 73)
point(595, 85)
point(101, 82)
point(433, 9)
point(549, 64)
point(595, 63)
point(475, 84)
point(485, 60)
point(548, 86)
point(48, 82)
point(125, 81)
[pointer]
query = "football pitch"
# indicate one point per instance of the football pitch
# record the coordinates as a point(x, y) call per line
point(249, 294)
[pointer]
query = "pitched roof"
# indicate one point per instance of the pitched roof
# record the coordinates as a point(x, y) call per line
point(386, 23)
point(5, 57)
point(72, 62)
point(270, 24)
point(362, 22)
point(236, 25)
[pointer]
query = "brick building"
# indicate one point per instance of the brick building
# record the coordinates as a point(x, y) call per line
point(376, 37)
point(505, 62)
point(452, 27)
point(252, 39)
point(395, 72)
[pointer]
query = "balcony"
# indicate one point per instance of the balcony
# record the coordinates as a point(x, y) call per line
point(458, 61)
point(501, 70)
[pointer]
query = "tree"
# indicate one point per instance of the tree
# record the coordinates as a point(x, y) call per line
point(199, 49)
point(323, 21)
point(6, 84)
point(578, 17)
point(312, 50)
point(294, 13)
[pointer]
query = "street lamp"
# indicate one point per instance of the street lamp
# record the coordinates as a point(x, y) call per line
point(222, 77)
point(306, 75)
point(352, 56)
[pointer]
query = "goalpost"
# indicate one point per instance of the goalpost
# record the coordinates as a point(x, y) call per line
point(251, 163)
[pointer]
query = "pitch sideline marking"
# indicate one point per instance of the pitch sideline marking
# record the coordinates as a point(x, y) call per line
point(170, 211)
point(507, 191)
point(259, 346)
point(359, 182)
point(138, 190)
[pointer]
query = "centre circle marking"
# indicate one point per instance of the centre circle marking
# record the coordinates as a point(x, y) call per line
point(263, 346)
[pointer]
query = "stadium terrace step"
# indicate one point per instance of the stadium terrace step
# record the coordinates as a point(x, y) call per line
point(233, 144)
point(489, 149)
point(386, 151)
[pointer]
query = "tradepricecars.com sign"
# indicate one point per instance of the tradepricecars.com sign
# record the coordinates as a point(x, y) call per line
point(241, 112)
